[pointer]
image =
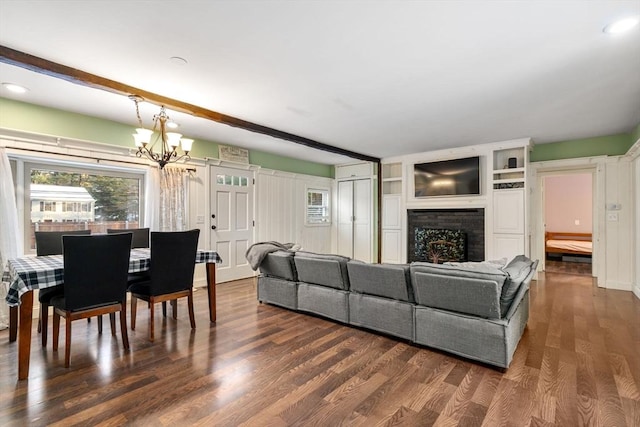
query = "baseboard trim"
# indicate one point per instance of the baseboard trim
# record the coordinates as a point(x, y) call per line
point(619, 286)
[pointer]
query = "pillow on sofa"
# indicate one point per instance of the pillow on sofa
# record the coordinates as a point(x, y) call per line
point(383, 280)
point(495, 263)
point(517, 270)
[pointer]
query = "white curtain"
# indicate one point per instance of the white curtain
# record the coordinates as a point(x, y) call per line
point(10, 239)
point(173, 199)
point(152, 199)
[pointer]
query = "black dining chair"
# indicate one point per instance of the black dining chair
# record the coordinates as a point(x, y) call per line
point(173, 259)
point(140, 236)
point(50, 243)
point(95, 283)
point(140, 239)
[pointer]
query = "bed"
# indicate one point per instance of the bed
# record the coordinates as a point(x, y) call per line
point(568, 243)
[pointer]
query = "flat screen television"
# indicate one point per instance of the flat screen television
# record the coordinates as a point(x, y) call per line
point(457, 177)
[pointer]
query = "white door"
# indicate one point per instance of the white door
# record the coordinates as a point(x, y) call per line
point(362, 209)
point(231, 221)
point(345, 218)
point(354, 219)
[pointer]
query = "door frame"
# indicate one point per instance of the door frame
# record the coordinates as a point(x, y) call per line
point(210, 164)
point(591, 165)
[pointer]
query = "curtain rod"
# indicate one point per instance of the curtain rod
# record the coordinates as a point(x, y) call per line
point(97, 159)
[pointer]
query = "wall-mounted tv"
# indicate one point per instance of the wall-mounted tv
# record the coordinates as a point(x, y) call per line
point(457, 177)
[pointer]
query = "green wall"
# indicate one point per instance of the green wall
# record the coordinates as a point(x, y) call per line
point(614, 145)
point(635, 134)
point(49, 121)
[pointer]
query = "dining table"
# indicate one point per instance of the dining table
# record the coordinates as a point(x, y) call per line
point(27, 273)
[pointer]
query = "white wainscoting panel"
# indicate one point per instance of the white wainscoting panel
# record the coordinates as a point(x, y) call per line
point(281, 209)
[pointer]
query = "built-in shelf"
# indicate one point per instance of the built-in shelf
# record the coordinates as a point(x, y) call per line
point(509, 169)
point(506, 180)
point(392, 178)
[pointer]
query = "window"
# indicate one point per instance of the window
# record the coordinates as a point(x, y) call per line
point(60, 197)
point(237, 181)
point(318, 206)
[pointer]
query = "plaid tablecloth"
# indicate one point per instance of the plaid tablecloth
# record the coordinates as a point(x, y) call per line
point(37, 272)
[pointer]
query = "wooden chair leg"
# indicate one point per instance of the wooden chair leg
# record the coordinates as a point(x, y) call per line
point(100, 325)
point(40, 321)
point(67, 342)
point(44, 322)
point(134, 310)
point(151, 316)
point(164, 309)
point(56, 330)
point(192, 317)
point(174, 308)
point(112, 321)
point(123, 326)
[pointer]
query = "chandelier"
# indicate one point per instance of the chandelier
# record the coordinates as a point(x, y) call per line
point(168, 141)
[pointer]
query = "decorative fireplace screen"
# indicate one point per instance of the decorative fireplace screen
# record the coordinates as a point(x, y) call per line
point(437, 246)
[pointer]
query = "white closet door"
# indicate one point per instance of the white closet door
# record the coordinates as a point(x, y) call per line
point(345, 218)
point(362, 210)
point(354, 219)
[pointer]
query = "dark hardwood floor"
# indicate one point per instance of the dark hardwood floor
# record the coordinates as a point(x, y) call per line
point(567, 267)
point(578, 363)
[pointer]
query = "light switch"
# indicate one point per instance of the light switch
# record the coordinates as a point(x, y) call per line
point(612, 216)
point(199, 219)
point(576, 222)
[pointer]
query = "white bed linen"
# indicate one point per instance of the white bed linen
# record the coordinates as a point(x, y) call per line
point(571, 245)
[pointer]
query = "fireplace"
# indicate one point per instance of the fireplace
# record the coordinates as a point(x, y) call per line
point(440, 245)
point(449, 234)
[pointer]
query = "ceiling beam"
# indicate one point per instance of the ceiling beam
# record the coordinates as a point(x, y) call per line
point(73, 75)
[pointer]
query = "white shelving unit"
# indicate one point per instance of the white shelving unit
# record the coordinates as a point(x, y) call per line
point(391, 212)
point(509, 202)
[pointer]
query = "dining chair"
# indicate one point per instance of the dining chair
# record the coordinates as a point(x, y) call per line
point(50, 243)
point(95, 283)
point(140, 239)
point(140, 236)
point(173, 258)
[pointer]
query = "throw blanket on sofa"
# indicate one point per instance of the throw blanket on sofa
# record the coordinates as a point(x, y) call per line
point(256, 252)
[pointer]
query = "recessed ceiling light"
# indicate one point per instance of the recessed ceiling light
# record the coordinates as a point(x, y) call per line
point(621, 25)
point(12, 87)
point(176, 60)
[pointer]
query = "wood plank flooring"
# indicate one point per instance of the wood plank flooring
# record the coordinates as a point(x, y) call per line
point(555, 266)
point(577, 364)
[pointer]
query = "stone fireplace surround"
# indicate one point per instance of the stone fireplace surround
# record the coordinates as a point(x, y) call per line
point(471, 221)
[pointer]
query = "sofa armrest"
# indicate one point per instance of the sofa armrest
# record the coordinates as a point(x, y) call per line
point(524, 287)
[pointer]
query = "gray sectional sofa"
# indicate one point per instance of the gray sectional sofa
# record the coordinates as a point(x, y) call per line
point(475, 310)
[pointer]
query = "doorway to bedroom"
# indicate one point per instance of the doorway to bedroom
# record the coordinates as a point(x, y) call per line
point(568, 223)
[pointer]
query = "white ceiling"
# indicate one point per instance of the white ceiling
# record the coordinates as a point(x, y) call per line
point(382, 78)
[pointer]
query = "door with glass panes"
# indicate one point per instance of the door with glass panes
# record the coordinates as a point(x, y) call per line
point(232, 221)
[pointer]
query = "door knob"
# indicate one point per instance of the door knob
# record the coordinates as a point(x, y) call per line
point(213, 216)
point(213, 227)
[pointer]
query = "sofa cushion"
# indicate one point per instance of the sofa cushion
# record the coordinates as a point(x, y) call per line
point(279, 264)
point(383, 280)
point(322, 269)
point(325, 301)
point(473, 291)
point(517, 270)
